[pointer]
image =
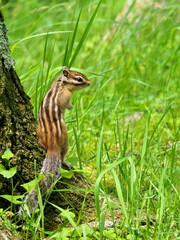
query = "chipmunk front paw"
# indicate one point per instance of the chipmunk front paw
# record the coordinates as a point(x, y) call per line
point(69, 107)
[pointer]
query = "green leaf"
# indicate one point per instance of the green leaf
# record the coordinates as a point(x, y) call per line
point(66, 174)
point(73, 160)
point(87, 230)
point(110, 234)
point(13, 199)
point(32, 184)
point(64, 234)
point(7, 154)
point(7, 173)
point(67, 213)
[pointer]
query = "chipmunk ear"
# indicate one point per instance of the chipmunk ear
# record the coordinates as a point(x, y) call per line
point(66, 71)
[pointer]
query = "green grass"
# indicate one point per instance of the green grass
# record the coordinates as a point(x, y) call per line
point(124, 128)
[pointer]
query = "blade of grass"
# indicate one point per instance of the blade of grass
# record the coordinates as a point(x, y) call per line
point(120, 194)
point(132, 180)
point(84, 35)
point(35, 36)
point(157, 125)
point(43, 63)
point(69, 47)
point(40, 76)
point(101, 224)
point(77, 146)
point(99, 152)
point(98, 181)
point(66, 54)
point(44, 82)
point(144, 149)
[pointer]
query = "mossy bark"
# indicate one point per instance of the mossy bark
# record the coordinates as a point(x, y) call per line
point(18, 133)
point(75, 194)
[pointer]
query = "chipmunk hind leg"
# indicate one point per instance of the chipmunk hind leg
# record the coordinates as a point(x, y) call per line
point(64, 149)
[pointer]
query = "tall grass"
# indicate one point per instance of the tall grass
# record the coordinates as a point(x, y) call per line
point(124, 128)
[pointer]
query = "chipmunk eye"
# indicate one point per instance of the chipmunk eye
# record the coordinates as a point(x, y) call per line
point(79, 79)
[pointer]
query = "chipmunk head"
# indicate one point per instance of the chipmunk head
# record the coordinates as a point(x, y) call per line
point(74, 80)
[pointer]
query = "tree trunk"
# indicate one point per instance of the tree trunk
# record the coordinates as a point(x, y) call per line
point(17, 124)
point(18, 133)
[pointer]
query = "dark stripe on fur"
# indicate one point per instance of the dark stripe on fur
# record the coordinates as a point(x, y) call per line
point(54, 117)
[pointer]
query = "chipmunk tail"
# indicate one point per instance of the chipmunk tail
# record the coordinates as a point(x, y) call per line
point(50, 167)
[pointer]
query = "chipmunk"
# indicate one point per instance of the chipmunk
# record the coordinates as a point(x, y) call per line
point(52, 130)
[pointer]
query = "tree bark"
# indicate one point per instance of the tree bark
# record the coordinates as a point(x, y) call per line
point(18, 133)
point(17, 124)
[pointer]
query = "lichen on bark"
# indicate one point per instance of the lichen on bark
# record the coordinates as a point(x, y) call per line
point(4, 45)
